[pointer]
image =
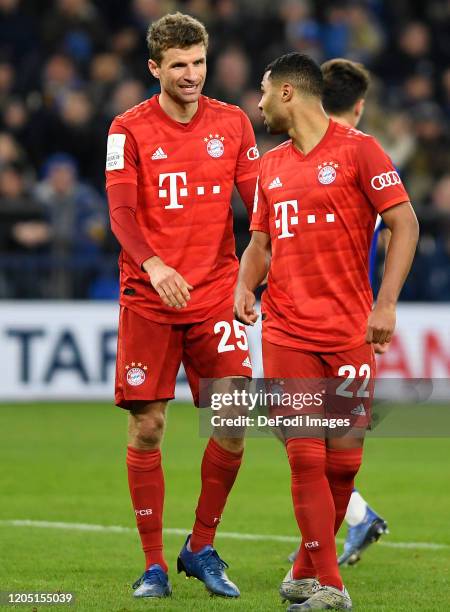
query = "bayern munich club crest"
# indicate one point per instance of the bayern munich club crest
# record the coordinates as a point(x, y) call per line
point(214, 145)
point(327, 172)
point(136, 373)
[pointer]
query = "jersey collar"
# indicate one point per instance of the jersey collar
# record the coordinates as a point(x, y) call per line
point(326, 137)
point(186, 127)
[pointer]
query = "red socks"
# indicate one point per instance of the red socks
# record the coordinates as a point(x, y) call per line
point(322, 482)
point(342, 467)
point(219, 471)
point(314, 509)
point(146, 482)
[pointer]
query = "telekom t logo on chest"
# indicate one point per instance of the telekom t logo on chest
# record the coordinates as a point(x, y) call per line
point(286, 215)
point(174, 185)
point(284, 219)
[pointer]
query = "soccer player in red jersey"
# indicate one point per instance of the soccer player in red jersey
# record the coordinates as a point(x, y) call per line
point(343, 99)
point(314, 213)
point(172, 162)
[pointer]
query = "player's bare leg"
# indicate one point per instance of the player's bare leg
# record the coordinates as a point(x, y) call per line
point(146, 480)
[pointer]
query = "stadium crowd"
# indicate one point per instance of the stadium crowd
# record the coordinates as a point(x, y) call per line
point(67, 67)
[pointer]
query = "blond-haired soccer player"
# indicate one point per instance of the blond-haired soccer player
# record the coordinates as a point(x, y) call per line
point(172, 162)
point(318, 197)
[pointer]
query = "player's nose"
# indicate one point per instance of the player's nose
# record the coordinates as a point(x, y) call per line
point(190, 74)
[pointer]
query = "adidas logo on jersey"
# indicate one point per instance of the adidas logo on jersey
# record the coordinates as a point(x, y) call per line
point(358, 411)
point(247, 363)
point(159, 154)
point(275, 183)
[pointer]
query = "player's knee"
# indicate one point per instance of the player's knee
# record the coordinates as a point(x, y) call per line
point(343, 464)
point(307, 458)
point(151, 431)
point(233, 445)
point(146, 430)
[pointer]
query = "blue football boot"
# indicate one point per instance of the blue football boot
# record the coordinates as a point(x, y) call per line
point(359, 537)
point(208, 567)
point(154, 582)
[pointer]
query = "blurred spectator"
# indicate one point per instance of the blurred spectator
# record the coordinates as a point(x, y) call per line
point(23, 225)
point(17, 33)
point(76, 132)
point(77, 217)
point(410, 54)
point(230, 75)
point(335, 33)
point(445, 82)
point(23, 230)
point(59, 77)
point(431, 159)
point(302, 30)
point(127, 94)
point(105, 72)
point(74, 27)
point(398, 139)
point(365, 36)
point(417, 88)
point(440, 197)
point(6, 82)
point(10, 151)
point(249, 103)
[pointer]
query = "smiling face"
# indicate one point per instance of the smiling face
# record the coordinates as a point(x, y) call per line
point(182, 73)
point(271, 105)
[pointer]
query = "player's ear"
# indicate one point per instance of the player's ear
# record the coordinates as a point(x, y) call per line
point(359, 108)
point(287, 91)
point(154, 68)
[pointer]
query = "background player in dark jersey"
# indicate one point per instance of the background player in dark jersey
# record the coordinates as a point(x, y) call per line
point(315, 210)
point(172, 162)
point(345, 88)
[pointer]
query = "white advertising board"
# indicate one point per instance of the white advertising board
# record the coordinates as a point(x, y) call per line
point(66, 350)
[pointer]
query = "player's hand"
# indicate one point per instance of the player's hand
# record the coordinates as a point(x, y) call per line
point(171, 287)
point(381, 324)
point(380, 349)
point(244, 305)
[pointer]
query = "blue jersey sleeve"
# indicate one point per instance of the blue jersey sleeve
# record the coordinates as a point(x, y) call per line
point(379, 227)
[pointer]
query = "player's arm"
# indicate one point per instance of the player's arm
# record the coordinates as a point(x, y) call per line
point(254, 266)
point(380, 182)
point(247, 165)
point(121, 185)
point(404, 234)
point(255, 261)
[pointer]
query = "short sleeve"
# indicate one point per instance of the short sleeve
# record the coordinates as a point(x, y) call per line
point(260, 217)
point(121, 156)
point(247, 164)
point(378, 178)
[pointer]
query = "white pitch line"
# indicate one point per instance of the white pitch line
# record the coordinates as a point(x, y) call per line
point(230, 535)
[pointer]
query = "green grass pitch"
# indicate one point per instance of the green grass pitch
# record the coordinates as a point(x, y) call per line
point(66, 463)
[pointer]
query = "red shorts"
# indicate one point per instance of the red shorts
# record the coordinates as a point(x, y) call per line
point(149, 355)
point(342, 383)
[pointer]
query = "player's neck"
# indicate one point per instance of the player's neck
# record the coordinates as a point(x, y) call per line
point(308, 130)
point(176, 111)
point(346, 120)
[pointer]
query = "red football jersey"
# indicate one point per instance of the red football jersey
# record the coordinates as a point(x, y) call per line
point(184, 175)
point(320, 211)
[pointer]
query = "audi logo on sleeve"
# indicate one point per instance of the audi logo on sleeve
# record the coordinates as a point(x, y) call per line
point(387, 179)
